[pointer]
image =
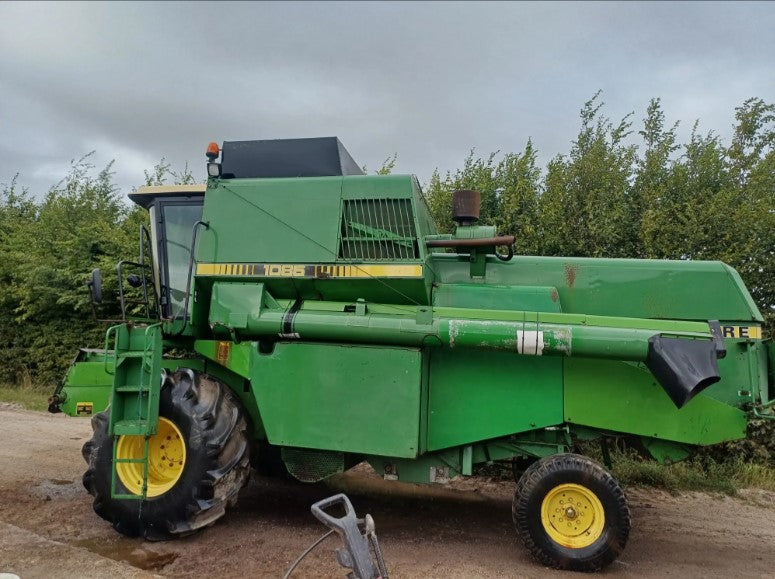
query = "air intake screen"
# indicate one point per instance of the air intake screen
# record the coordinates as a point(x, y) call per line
point(378, 229)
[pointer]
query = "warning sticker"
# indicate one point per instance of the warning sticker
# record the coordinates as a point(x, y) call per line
point(745, 332)
point(84, 408)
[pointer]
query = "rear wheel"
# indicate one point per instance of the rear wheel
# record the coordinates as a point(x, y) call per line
point(571, 513)
point(197, 461)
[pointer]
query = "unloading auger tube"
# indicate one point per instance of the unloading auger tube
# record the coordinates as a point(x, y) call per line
point(683, 362)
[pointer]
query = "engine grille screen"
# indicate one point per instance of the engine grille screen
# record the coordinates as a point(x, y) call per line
point(377, 229)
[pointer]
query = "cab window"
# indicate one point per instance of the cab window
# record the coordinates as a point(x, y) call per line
point(176, 221)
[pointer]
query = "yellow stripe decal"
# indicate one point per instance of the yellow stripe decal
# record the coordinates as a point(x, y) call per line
point(310, 270)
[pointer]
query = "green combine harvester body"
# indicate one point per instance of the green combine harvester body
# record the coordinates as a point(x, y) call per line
point(346, 329)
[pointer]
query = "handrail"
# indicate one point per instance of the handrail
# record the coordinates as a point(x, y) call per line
point(144, 233)
point(120, 274)
point(148, 347)
point(192, 257)
point(110, 330)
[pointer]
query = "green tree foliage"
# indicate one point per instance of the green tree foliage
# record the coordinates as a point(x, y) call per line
point(387, 165)
point(588, 207)
point(750, 207)
point(47, 250)
point(162, 171)
point(654, 184)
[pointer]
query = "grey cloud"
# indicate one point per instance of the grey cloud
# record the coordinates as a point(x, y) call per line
point(138, 81)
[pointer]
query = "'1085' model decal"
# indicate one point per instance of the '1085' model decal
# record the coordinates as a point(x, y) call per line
point(314, 271)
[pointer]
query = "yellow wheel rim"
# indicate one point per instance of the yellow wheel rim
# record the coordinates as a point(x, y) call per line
point(166, 459)
point(572, 516)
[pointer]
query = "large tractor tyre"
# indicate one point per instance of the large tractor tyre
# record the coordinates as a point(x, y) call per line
point(198, 461)
point(571, 513)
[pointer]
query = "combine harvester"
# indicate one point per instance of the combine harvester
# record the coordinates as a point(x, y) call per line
point(325, 322)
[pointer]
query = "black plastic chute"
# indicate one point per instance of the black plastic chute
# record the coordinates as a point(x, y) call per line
point(682, 366)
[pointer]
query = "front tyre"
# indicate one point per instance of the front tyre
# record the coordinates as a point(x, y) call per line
point(571, 513)
point(198, 461)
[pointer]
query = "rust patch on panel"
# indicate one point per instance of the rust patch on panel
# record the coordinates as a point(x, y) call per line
point(571, 271)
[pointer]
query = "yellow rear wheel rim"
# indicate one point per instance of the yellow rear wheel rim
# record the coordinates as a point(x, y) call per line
point(166, 459)
point(572, 516)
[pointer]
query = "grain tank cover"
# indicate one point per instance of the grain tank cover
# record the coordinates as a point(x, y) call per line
point(317, 157)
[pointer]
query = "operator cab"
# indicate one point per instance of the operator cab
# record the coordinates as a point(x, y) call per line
point(174, 209)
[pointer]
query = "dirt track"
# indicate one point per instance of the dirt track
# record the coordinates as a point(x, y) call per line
point(48, 528)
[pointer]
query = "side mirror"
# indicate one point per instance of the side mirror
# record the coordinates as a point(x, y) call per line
point(134, 280)
point(95, 285)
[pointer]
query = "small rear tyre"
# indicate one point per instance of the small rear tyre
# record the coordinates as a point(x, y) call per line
point(571, 513)
point(211, 466)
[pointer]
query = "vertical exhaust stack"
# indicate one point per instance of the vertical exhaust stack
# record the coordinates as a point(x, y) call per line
point(466, 205)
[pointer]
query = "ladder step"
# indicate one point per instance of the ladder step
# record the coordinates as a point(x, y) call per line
point(132, 354)
point(132, 428)
point(128, 497)
point(145, 362)
point(133, 388)
point(130, 460)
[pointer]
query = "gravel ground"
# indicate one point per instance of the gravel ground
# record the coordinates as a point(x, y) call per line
point(48, 528)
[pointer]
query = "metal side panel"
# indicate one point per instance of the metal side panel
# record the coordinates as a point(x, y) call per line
point(87, 386)
point(624, 397)
point(360, 399)
point(500, 297)
point(478, 394)
point(283, 221)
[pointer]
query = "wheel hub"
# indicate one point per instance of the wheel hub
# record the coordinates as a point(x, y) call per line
point(572, 515)
point(166, 459)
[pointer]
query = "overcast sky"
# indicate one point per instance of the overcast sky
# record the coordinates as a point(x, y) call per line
point(139, 81)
